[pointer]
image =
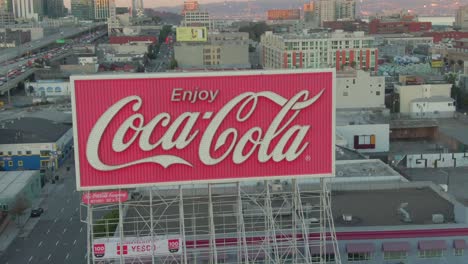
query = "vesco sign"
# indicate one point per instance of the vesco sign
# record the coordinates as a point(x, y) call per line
point(170, 129)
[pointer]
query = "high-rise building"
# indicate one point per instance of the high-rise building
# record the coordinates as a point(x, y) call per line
point(345, 10)
point(82, 9)
point(197, 18)
point(326, 10)
point(137, 8)
point(101, 9)
point(190, 6)
point(24, 9)
point(6, 13)
point(54, 8)
point(461, 18)
point(333, 10)
point(39, 8)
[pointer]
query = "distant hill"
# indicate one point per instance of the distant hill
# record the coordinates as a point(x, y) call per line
point(259, 7)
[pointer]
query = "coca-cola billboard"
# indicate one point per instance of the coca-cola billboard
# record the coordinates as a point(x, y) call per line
point(141, 130)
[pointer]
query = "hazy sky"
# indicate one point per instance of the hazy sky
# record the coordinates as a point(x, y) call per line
point(156, 3)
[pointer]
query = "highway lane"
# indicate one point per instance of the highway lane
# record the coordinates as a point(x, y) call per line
point(59, 236)
point(8, 54)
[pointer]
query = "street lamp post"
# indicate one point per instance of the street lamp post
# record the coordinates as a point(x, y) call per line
point(447, 178)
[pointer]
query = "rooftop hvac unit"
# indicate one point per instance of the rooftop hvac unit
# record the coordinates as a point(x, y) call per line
point(347, 217)
point(276, 187)
point(438, 218)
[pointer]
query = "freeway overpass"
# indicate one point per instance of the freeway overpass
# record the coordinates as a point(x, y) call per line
point(12, 83)
point(8, 54)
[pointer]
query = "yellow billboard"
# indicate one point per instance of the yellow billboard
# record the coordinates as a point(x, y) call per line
point(437, 64)
point(191, 34)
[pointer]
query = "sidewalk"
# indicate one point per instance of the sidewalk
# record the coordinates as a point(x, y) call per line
point(11, 232)
point(8, 235)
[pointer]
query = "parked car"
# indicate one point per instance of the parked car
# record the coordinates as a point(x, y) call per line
point(37, 212)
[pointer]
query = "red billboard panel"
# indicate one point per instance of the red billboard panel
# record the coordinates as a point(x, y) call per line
point(141, 130)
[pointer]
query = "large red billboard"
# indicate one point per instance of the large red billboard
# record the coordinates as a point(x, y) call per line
point(141, 130)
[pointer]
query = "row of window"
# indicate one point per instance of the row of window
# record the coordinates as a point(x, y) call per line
point(50, 89)
point(42, 153)
point(10, 163)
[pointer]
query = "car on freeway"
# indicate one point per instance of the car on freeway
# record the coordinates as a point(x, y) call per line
point(37, 212)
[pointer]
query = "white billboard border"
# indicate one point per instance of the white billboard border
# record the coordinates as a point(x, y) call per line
point(74, 78)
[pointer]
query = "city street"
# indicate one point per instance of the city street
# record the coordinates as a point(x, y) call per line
point(58, 236)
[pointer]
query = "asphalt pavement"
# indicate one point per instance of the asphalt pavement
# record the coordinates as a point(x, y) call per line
point(58, 236)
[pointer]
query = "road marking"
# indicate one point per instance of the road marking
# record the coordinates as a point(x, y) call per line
point(71, 218)
point(68, 255)
point(81, 229)
point(61, 210)
point(40, 244)
point(55, 221)
point(68, 201)
point(76, 209)
point(64, 230)
point(48, 231)
point(50, 255)
point(30, 259)
point(74, 242)
point(57, 242)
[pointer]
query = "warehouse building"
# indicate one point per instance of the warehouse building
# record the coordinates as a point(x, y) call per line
point(33, 143)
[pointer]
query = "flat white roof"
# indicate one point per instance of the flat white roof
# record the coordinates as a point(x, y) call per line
point(12, 182)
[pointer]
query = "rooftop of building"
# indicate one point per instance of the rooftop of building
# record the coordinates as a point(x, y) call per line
point(368, 207)
point(433, 99)
point(12, 182)
point(31, 130)
point(455, 178)
point(323, 35)
point(346, 117)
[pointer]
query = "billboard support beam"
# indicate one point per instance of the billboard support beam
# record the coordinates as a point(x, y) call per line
point(241, 237)
point(271, 223)
point(151, 224)
point(300, 209)
point(89, 239)
point(121, 232)
point(213, 252)
point(182, 225)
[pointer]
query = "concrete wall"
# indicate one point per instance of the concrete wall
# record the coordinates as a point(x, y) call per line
point(189, 56)
point(48, 89)
point(234, 54)
point(360, 91)
point(440, 160)
point(381, 132)
point(410, 92)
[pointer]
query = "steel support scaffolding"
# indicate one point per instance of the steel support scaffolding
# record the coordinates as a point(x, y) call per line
point(242, 222)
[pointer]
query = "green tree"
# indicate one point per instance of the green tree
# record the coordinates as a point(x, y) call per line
point(173, 64)
point(255, 30)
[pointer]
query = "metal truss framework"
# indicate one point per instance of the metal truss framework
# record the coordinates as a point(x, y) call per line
point(266, 222)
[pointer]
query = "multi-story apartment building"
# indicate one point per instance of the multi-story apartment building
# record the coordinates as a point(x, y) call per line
point(222, 50)
point(82, 9)
point(24, 9)
point(338, 49)
point(333, 10)
point(101, 9)
point(461, 18)
point(197, 18)
point(190, 6)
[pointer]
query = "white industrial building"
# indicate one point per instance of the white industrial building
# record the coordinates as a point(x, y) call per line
point(426, 100)
point(360, 131)
point(359, 89)
point(48, 88)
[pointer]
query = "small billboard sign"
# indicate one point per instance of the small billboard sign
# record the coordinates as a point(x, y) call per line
point(191, 34)
point(104, 197)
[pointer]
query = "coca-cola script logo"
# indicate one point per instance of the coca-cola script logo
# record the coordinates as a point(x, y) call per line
point(179, 129)
point(247, 103)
